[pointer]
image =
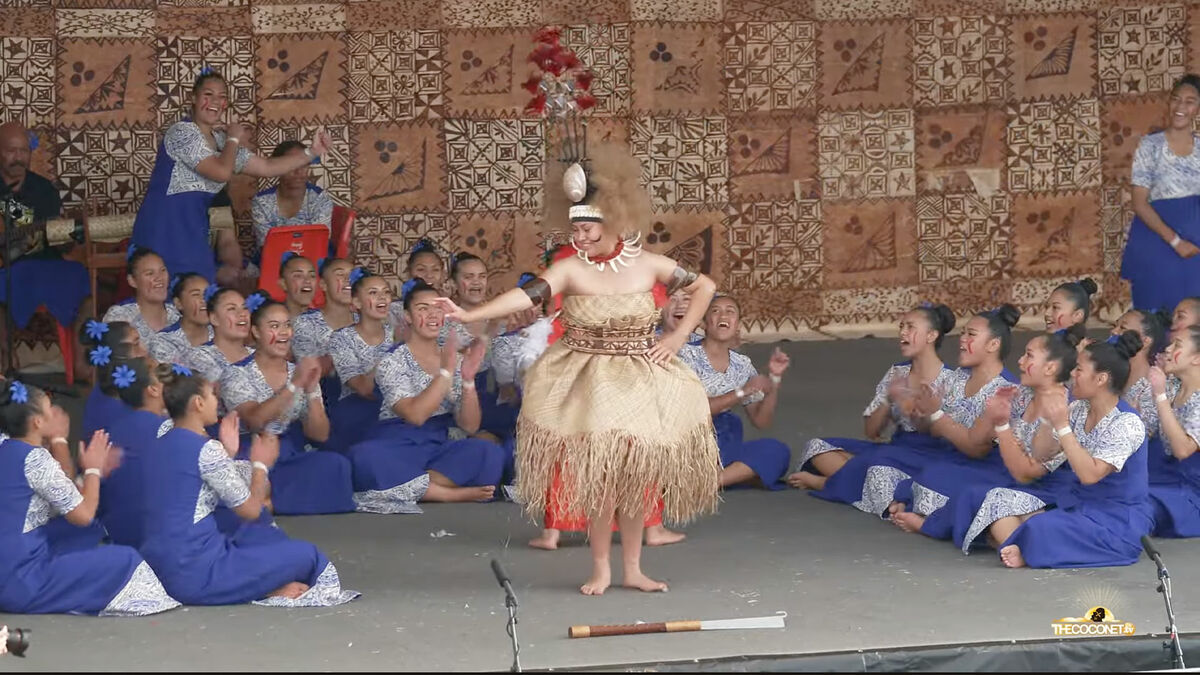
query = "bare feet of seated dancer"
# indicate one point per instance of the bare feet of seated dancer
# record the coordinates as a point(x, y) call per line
point(660, 415)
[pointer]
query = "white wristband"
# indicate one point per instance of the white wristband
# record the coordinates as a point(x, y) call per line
point(1059, 433)
point(1002, 427)
point(92, 472)
point(1161, 398)
point(290, 386)
point(468, 384)
point(261, 467)
point(937, 415)
point(1176, 241)
point(776, 379)
point(740, 393)
point(442, 372)
point(231, 139)
point(314, 395)
point(59, 439)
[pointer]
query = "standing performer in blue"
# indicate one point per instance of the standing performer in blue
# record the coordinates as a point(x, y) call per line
point(106, 341)
point(1097, 518)
point(189, 293)
point(1160, 259)
point(34, 578)
point(148, 310)
point(921, 333)
point(188, 474)
point(312, 330)
point(230, 321)
point(730, 380)
point(356, 350)
point(293, 201)
point(197, 158)
point(1175, 476)
point(271, 394)
point(411, 446)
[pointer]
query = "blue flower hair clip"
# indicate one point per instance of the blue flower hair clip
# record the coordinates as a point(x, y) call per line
point(206, 70)
point(1060, 332)
point(100, 356)
point(19, 393)
point(356, 274)
point(422, 245)
point(287, 255)
point(173, 285)
point(254, 301)
point(181, 370)
point(321, 264)
point(95, 329)
point(33, 141)
point(124, 376)
point(209, 291)
point(407, 287)
point(926, 305)
point(525, 278)
point(1112, 339)
point(129, 254)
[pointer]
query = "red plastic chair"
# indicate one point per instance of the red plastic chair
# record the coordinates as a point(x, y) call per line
point(310, 241)
point(341, 229)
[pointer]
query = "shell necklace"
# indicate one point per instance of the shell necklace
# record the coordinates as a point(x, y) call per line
point(625, 251)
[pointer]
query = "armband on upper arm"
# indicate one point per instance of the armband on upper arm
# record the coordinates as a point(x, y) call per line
point(680, 279)
point(538, 290)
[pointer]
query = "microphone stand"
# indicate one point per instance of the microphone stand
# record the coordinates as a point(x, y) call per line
point(510, 602)
point(1164, 587)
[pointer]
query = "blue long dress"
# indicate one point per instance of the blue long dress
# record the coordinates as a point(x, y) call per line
point(173, 218)
point(122, 495)
point(1098, 525)
point(34, 579)
point(1175, 484)
point(302, 481)
point(396, 453)
point(352, 416)
point(100, 411)
point(767, 457)
point(187, 476)
point(1158, 276)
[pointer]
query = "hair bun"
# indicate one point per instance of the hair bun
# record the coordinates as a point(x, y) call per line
point(1162, 316)
point(1088, 286)
point(945, 318)
point(1009, 314)
point(1073, 334)
point(1128, 344)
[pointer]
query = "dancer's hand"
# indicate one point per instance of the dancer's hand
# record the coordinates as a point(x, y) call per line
point(264, 448)
point(666, 347)
point(308, 374)
point(756, 384)
point(1054, 409)
point(999, 407)
point(1158, 380)
point(927, 401)
point(779, 363)
point(1186, 249)
point(95, 454)
point(452, 310)
point(238, 132)
point(321, 143)
point(229, 433)
point(472, 360)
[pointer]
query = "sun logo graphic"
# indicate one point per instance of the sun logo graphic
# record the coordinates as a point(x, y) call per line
point(1099, 620)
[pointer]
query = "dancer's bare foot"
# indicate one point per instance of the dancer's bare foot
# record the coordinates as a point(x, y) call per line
point(895, 508)
point(658, 535)
point(636, 579)
point(806, 481)
point(441, 493)
point(293, 590)
point(908, 521)
point(548, 541)
point(599, 581)
point(1011, 555)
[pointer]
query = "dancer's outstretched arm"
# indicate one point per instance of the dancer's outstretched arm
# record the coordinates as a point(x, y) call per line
point(538, 291)
point(698, 286)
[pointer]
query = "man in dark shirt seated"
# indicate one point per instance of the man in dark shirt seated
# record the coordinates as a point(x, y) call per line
point(42, 278)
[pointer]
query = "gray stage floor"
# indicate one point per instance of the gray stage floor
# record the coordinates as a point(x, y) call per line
point(846, 580)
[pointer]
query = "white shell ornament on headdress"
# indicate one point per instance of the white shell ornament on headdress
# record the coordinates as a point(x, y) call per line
point(575, 182)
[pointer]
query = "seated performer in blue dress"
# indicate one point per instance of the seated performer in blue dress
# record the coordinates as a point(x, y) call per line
point(312, 330)
point(271, 394)
point(230, 321)
point(34, 578)
point(1175, 477)
point(1187, 313)
point(148, 310)
point(106, 341)
point(197, 157)
point(921, 333)
point(730, 380)
point(356, 350)
point(293, 201)
point(44, 277)
point(298, 277)
point(189, 293)
point(1098, 516)
point(187, 475)
point(1161, 258)
point(411, 446)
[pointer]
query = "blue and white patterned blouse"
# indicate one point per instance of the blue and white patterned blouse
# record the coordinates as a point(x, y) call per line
point(352, 356)
point(1187, 414)
point(1141, 397)
point(465, 339)
point(171, 344)
point(400, 376)
point(53, 493)
point(1026, 432)
point(1166, 174)
point(965, 409)
point(1114, 439)
point(128, 311)
point(718, 383)
point(311, 334)
point(899, 372)
point(315, 209)
point(207, 361)
point(222, 481)
point(187, 146)
point(243, 382)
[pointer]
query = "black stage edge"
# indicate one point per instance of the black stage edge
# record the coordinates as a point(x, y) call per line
point(1114, 654)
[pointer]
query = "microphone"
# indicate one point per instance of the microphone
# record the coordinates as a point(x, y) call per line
point(1148, 547)
point(503, 580)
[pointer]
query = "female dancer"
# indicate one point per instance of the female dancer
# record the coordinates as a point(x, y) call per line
point(313, 329)
point(1069, 304)
point(106, 341)
point(673, 312)
point(298, 277)
point(198, 156)
point(1099, 515)
point(356, 350)
point(230, 320)
point(424, 262)
point(34, 578)
point(1187, 313)
point(1151, 327)
point(411, 450)
point(187, 475)
point(294, 200)
point(271, 394)
point(730, 380)
point(190, 294)
point(1175, 477)
point(1160, 259)
point(147, 311)
point(921, 333)
point(622, 417)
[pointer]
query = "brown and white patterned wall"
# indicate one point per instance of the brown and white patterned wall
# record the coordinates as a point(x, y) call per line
point(829, 162)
